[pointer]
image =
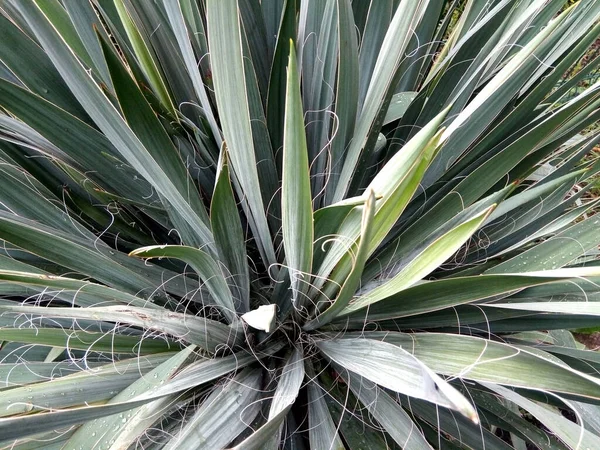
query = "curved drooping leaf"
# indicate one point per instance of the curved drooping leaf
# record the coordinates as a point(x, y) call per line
point(102, 295)
point(482, 360)
point(207, 334)
point(204, 265)
point(394, 368)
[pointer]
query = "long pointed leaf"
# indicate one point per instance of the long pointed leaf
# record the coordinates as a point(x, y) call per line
point(430, 258)
point(229, 79)
point(223, 415)
point(229, 237)
point(285, 395)
point(296, 203)
point(128, 427)
point(352, 282)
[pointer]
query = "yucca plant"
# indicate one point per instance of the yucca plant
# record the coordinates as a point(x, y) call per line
point(316, 224)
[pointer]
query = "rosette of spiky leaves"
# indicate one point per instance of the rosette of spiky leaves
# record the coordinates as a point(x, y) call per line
point(401, 179)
